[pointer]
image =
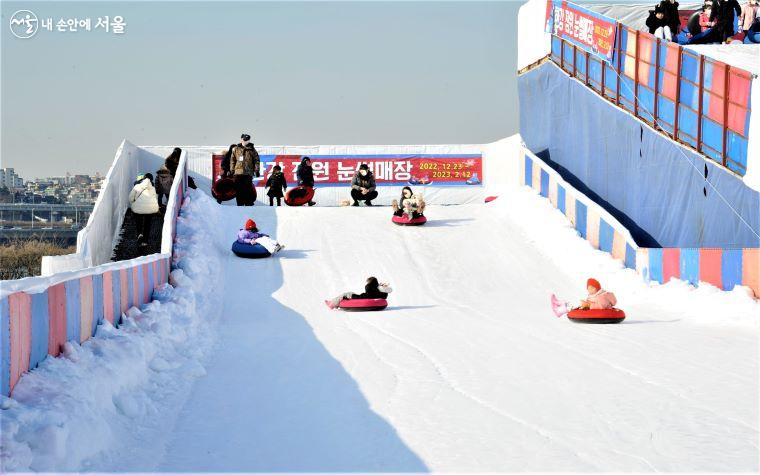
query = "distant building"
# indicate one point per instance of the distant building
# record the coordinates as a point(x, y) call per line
point(9, 179)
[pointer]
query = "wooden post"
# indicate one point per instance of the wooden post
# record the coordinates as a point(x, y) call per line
point(587, 60)
point(656, 82)
point(562, 54)
point(727, 75)
point(678, 93)
point(699, 98)
point(619, 62)
point(636, 78)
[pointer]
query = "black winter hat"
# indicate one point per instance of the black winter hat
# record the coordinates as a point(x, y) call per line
point(363, 166)
point(303, 160)
point(245, 137)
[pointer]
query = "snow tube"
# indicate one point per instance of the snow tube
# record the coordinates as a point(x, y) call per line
point(490, 198)
point(249, 251)
point(223, 189)
point(404, 220)
point(693, 24)
point(362, 305)
point(753, 35)
point(607, 315)
point(299, 196)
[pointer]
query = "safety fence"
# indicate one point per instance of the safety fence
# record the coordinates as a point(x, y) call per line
point(38, 315)
point(723, 268)
point(698, 101)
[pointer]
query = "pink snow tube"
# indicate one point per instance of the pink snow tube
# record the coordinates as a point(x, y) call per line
point(299, 195)
point(362, 305)
point(404, 220)
point(606, 315)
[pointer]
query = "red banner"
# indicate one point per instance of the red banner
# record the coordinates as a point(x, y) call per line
point(589, 30)
point(442, 170)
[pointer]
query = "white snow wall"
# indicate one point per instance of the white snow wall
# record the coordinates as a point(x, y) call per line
point(96, 241)
point(533, 44)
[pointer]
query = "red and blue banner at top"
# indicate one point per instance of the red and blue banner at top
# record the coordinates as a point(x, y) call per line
point(418, 169)
point(584, 28)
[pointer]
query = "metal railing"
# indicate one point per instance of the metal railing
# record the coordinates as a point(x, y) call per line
point(666, 86)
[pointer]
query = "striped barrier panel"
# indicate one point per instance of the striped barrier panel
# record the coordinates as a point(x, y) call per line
point(700, 102)
point(723, 268)
point(36, 323)
point(591, 221)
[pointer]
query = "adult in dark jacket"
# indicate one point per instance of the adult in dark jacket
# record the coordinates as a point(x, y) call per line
point(372, 290)
point(723, 12)
point(172, 162)
point(277, 185)
point(657, 23)
point(363, 186)
point(672, 18)
point(305, 175)
point(242, 162)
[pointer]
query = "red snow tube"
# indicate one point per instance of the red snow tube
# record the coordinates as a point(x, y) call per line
point(223, 189)
point(607, 315)
point(362, 305)
point(404, 220)
point(490, 198)
point(299, 196)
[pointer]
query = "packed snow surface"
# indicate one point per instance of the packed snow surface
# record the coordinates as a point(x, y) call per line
point(467, 369)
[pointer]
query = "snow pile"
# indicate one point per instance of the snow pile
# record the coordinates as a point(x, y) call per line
point(72, 408)
point(556, 238)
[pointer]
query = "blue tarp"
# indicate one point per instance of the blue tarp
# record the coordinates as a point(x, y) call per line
point(654, 187)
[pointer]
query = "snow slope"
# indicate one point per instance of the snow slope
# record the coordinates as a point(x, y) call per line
point(467, 370)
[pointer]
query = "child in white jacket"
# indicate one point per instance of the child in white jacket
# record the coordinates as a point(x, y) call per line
point(143, 202)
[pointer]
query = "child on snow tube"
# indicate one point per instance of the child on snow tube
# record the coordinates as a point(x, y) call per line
point(410, 204)
point(597, 299)
point(373, 290)
point(251, 235)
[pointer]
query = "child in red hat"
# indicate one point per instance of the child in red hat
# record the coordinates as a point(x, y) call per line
point(251, 235)
point(597, 298)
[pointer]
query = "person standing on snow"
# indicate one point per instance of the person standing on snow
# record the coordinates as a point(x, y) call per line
point(305, 175)
point(277, 185)
point(143, 202)
point(242, 162)
point(363, 186)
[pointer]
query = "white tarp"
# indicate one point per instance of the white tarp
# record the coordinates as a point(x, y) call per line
point(752, 177)
point(532, 43)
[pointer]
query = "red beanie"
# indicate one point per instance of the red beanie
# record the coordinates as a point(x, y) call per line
point(595, 283)
point(250, 225)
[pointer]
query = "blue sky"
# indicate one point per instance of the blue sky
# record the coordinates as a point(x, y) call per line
point(200, 73)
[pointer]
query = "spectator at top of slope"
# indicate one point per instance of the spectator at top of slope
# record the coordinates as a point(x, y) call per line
point(363, 186)
point(657, 22)
point(748, 16)
point(723, 12)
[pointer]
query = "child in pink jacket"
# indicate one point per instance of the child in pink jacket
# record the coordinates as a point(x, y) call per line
point(597, 299)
